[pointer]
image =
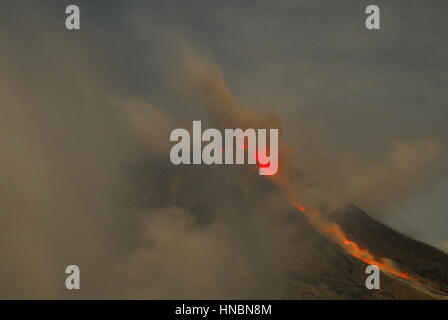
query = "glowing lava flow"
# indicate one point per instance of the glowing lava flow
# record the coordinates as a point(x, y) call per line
point(330, 229)
point(334, 232)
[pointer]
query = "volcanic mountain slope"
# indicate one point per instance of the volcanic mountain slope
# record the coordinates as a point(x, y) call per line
point(329, 272)
point(427, 264)
point(285, 256)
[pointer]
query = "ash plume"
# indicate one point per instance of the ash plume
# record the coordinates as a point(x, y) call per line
point(324, 179)
point(86, 178)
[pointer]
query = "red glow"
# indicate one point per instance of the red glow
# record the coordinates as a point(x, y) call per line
point(261, 165)
point(298, 206)
point(334, 232)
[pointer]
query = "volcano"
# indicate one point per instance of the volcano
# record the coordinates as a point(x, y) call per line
point(272, 250)
point(335, 274)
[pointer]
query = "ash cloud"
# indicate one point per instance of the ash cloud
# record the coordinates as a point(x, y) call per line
point(340, 178)
point(86, 178)
point(334, 179)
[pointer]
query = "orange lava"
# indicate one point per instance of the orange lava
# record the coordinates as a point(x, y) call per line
point(361, 253)
point(334, 232)
point(330, 230)
point(298, 206)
